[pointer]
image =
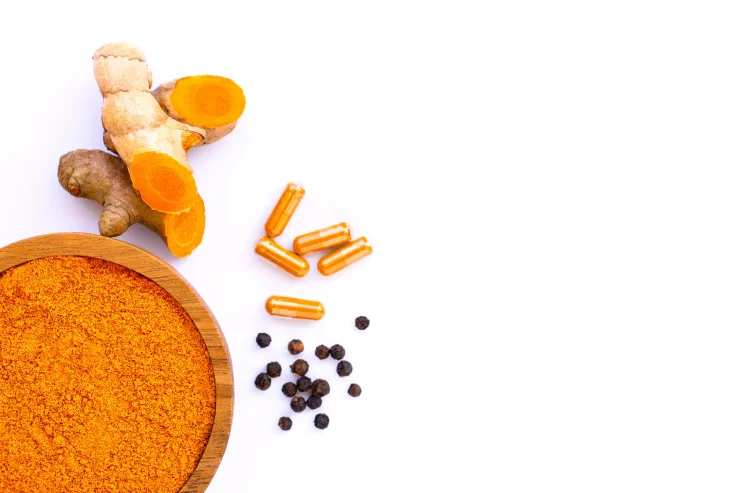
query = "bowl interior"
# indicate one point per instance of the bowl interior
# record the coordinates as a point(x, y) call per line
point(148, 265)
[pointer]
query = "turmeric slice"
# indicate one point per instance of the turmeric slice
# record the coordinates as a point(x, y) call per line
point(184, 231)
point(208, 102)
point(102, 177)
point(166, 184)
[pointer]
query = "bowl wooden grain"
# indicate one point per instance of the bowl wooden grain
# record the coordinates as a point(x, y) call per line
point(143, 262)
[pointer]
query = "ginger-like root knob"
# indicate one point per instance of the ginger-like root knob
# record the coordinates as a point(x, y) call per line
point(104, 178)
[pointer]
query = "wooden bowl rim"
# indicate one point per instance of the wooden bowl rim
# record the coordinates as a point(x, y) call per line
point(159, 271)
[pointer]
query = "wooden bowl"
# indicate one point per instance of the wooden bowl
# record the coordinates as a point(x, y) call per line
point(143, 262)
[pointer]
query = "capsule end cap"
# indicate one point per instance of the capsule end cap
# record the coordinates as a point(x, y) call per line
point(321, 311)
point(269, 304)
point(297, 247)
point(304, 271)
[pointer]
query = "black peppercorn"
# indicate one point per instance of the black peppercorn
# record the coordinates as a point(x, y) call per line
point(263, 381)
point(274, 369)
point(285, 423)
point(298, 404)
point(362, 323)
point(295, 347)
point(263, 340)
point(337, 351)
point(289, 389)
point(314, 402)
point(300, 367)
point(321, 421)
point(354, 390)
point(322, 352)
point(320, 388)
point(304, 384)
point(344, 369)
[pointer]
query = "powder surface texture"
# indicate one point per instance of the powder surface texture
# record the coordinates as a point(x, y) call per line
point(105, 382)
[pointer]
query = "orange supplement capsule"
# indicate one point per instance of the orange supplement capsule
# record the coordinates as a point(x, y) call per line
point(342, 257)
point(284, 210)
point(330, 237)
point(282, 306)
point(282, 257)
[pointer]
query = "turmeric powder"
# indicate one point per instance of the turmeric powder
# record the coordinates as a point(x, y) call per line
point(105, 382)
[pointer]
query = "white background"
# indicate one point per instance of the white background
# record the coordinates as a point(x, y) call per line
point(551, 189)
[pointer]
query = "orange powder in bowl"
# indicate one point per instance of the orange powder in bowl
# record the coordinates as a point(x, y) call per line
point(105, 382)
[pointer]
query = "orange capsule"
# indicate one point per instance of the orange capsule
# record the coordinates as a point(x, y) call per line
point(284, 210)
point(330, 237)
point(342, 257)
point(282, 257)
point(283, 306)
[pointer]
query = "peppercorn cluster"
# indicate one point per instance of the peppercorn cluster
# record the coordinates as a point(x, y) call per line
point(315, 390)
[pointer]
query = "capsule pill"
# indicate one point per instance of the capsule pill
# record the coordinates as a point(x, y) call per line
point(284, 210)
point(285, 259)
point(283, 306)
point(329, 237)
point(344, 256)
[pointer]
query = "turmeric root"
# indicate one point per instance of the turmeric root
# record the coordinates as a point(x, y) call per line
point(102, 177)
point(152, 143)
point(195, 93)
point(147, 140)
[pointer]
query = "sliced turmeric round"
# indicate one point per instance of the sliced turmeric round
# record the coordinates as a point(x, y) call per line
point(164, 183)
point(184, 231)
point(208, 101)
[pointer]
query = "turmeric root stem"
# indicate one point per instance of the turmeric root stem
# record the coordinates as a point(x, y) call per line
point(152, 144)
point(102, 177)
